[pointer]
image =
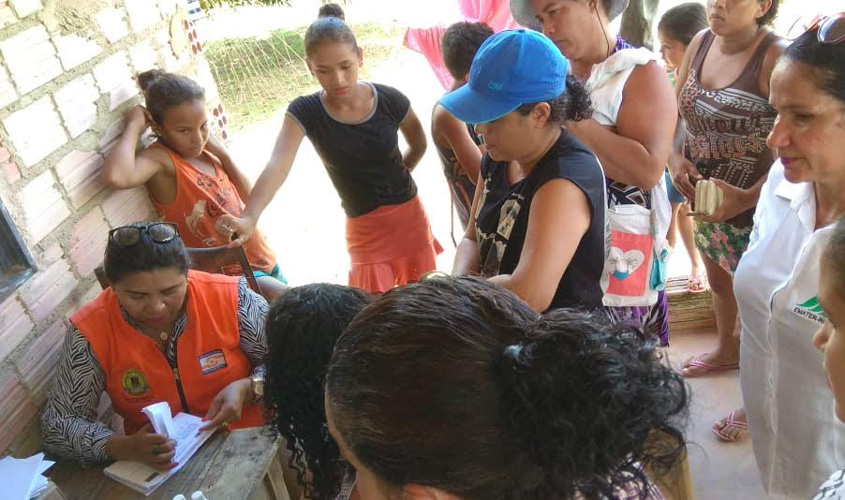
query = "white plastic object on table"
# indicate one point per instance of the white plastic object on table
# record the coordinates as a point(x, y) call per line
point(197, 495)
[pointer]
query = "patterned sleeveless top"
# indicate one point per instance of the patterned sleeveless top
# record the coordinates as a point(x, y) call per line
point(727, 128)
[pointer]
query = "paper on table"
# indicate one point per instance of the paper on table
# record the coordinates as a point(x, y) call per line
point(143, 478)
point(18, 476)
point(39, 482)
point(161, 418)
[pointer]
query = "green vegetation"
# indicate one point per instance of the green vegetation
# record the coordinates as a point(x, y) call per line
point(258, 76)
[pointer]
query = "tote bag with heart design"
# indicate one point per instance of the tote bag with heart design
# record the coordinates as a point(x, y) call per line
point(635, 264)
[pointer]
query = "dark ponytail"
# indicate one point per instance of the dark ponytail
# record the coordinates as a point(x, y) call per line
point(574, 104)
point(164, 90)
point(586, 396)
point(457, 384)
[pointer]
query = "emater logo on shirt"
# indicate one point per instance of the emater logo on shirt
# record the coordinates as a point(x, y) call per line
point(811, 309)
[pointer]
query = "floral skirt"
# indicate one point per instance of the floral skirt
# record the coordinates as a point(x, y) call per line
point(722, 243)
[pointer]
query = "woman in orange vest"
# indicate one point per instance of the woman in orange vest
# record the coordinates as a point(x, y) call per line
point(161, 332)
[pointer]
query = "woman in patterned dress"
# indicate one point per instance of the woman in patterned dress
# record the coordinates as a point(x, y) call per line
point(723, 91)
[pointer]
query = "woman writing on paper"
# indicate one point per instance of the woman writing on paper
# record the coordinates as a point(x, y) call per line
point(159, 333)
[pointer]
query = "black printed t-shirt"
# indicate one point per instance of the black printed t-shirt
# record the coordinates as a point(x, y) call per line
point(362, 158)
point(502, 219)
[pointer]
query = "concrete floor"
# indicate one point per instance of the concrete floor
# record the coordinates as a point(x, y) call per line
point(721, 471)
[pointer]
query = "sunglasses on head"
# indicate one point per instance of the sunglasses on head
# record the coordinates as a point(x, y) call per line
point(829, 29)
point(160, 232)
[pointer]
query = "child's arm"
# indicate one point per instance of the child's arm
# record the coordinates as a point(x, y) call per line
point(271, 179)
point(122, 169)
point(456, 134)
point(414, 134)
point(238, 178)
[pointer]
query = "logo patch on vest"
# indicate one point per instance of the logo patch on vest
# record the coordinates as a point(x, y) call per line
point(212, 361)
point(134, 383)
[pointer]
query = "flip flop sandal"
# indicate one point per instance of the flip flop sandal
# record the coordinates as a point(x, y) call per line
point(730, 430)
point(704, 368)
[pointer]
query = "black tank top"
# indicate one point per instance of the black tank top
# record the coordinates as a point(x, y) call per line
point(502, 219)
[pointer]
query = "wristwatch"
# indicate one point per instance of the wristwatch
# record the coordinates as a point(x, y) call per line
point(256, 383)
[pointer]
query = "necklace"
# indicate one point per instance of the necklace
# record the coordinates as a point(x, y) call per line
point(163, 335)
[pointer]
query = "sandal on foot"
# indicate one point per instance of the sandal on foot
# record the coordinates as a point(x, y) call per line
point(697, 283)
point(730, 429)
point(702, 367)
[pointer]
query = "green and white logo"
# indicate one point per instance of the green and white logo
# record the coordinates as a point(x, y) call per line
point(811, 309)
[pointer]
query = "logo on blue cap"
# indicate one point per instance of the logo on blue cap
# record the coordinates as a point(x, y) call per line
point(510, 69)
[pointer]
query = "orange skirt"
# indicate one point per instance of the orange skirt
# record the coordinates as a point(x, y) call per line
point(390, 246)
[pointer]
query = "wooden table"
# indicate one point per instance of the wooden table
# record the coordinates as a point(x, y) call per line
point(237, 465)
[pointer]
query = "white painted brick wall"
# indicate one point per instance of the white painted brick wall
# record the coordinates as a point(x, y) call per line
point(76, 103)
point(26, 7)
point(44, 292)
point(112, 72)
point(115, 78)
point(88, 242)
point(31, 58)
point(167, 7)
point(44, 208)
point(35, 131)
point(7, 15)
point(143, 56)
point(126, 206)
point(79, 174)
point(7, 90)
point(143, 14)
point(15, 325)
point(112, 23)
point(39, 362)
point(75, 50)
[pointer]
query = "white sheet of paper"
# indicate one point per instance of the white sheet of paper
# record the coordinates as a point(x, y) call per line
point(161, 418)
point(19, 475)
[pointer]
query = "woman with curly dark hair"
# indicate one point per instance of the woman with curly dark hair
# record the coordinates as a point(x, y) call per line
point(454, 388)
point(302, 327)
point(537, 222)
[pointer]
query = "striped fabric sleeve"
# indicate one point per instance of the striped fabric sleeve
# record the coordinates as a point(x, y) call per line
point(252, 313)
point(68, 424)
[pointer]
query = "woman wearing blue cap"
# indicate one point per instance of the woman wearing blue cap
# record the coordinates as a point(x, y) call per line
point(537, 225)
point(630, 131)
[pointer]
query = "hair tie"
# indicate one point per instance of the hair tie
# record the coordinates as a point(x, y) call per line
point(513, 352)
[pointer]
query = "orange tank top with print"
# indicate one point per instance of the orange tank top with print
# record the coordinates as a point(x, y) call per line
point(200, 200)
point(208, 353)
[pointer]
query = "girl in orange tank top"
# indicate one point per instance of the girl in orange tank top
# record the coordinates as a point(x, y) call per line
point(190, 177)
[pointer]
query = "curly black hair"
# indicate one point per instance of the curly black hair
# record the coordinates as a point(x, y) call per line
point(302, 327)
point(574, 104)
point(456, 384)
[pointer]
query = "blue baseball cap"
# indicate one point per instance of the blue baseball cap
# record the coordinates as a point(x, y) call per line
point(510, 69)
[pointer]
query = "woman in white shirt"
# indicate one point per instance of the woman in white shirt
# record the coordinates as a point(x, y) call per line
point(797, 440)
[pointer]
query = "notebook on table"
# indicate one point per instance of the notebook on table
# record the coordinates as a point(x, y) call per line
point(183, 428)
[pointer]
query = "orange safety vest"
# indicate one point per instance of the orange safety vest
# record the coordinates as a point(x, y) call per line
point(208, 353)
point(200, 200)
